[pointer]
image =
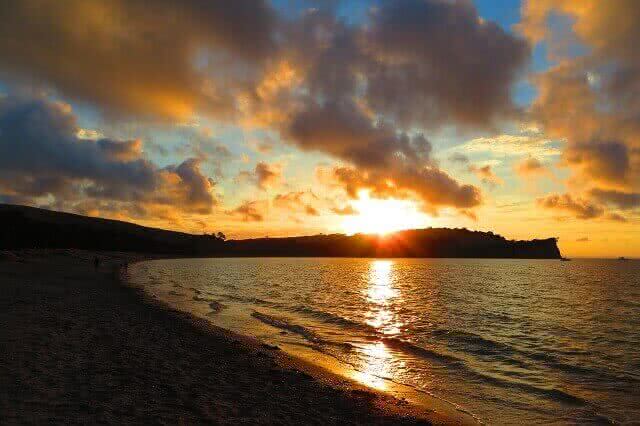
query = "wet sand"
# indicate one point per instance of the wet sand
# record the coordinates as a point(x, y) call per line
point(80, 347)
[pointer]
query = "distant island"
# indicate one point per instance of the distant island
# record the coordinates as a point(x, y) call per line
point(29, 227)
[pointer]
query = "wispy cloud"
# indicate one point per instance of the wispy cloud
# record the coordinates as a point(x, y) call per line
point(511, 145)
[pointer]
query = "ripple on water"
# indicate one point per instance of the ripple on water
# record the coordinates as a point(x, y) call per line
point(512, 341)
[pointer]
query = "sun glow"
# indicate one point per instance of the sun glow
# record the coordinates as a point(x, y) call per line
point(382, 216)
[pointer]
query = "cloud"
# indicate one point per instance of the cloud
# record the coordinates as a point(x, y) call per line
point(351, 91)
point(297, 202)
point(430, 184)
point(457, 157)
point(249, 211)
point(347, 210)
point(194, 186)
point(362, 93)
point(616, 217)
point(345, 132)
point(512, 145)
point(89, 134)
point(43, 161)
point(486, 175)
point(588, 99)
point(622, 200)
point(388, 162)
point(530, 166)
point(268, 175)
point(438, 60)
point(469, 215)
point(582, 240)
point(579, 207)
point(264, 176)
point(121, 150)
point(605, 162)
point(416, 62)
point(133, 56)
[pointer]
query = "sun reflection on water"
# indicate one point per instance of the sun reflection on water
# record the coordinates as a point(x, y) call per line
point(380, 288)
point(381, 294)
point(375, 367)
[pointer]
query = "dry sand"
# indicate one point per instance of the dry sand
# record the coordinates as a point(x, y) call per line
point(79, 347)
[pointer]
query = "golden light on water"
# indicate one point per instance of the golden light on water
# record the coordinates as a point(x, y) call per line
point(380, 288)
point(382, 216)
point(380, 293)
point(376, 366)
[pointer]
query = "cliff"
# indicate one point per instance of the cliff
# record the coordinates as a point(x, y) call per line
point(432, 242)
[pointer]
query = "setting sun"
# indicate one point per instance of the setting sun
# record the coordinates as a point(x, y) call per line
point(382, 216)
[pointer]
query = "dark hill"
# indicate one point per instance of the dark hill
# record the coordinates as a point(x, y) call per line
point(28, 227)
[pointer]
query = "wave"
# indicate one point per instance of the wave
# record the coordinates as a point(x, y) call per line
point(410, 348)
point(322, 316)
point(283, 324)
point(329, 318)
point(253, 301)
point(413, 349)
point(463, 342)
point(459, 364)
point(474, 344)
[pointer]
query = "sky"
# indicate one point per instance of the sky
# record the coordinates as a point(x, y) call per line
point(294, 117)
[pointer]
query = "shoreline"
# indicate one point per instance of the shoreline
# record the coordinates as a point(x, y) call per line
point(329, 369)
point(86, 346)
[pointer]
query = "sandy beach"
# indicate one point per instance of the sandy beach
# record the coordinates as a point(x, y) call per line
point(80, 347)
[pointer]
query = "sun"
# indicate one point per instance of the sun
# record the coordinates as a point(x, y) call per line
point(382, 216)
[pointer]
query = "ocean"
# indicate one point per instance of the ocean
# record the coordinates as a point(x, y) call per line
point(503, 341)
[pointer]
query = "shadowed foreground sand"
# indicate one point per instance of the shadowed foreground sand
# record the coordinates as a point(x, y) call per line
point(79, 347)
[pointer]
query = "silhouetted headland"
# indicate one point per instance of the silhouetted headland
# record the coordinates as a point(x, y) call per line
point(28, 227)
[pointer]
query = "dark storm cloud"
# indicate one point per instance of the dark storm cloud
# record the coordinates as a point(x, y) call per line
point(135, 56)
point(42, 157)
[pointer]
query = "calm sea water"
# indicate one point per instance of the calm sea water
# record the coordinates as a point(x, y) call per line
point(510, 341)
